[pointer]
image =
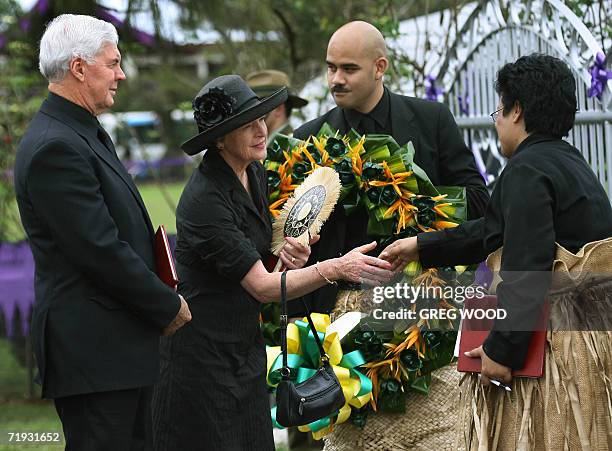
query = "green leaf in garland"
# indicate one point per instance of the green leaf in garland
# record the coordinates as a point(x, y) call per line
point(299, 171)
point(388, 196)
point(359, 417)
point(371, 171)
point(423, 202)
point(273, 180)
point(351, 199)
point(426, 217)
point(380, 227)
point(450, 336)
point(368, 342)
point(271, 334)
point(425, 185)
point(421, 384)
point(455, 195)
point(281, 142)
point(344, 168)
point(433, 339)
point(376, 141)
point(391, 398)
point(373, 195)
point(314, 153)
point(353, 136)
point(275, 152)
point(410, 359)
point(413, 269)
point(335, 147)
point(326, 130)
point(401, 161)
point(377, 154)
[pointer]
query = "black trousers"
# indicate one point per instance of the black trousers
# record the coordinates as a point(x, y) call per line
point(115, 420)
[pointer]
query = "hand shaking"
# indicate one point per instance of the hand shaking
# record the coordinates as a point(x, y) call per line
point(400, 253)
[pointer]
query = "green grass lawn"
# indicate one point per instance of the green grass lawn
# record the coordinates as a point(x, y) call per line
point(18, 414)
point(160, 209)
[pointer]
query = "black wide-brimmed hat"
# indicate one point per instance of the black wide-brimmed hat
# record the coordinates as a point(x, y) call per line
point(223, 105)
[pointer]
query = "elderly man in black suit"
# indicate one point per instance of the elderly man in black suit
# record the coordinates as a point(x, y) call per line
point(356, 64)
point(100, 308)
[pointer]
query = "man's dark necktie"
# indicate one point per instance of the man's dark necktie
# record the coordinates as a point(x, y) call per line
point(107, 141)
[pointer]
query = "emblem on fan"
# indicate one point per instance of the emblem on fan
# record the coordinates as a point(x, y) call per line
point(305, 211)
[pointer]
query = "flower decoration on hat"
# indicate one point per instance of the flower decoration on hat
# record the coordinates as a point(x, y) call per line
point(212, 108)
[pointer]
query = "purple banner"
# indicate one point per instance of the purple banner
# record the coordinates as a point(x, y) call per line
point(17, 283)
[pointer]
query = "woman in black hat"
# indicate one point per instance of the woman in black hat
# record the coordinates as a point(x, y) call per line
point(212, 393)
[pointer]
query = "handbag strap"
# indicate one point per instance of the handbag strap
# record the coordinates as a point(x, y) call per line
point(283, 327)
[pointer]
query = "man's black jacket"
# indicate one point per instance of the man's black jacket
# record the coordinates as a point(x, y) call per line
point(99, 307)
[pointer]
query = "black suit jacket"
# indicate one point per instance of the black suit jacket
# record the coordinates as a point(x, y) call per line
point(99, 306)
point(439, 150)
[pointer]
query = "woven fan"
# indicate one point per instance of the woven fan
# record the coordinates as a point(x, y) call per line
point(306, 211)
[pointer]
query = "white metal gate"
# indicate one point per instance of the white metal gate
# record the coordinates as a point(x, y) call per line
point(501, 31)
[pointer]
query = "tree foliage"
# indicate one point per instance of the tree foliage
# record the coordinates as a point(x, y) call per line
point(21, 92)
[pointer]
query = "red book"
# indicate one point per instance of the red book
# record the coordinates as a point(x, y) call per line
point(164, 263)
point(475, 331)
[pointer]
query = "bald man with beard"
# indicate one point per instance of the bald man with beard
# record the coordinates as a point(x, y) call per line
point(356, 63)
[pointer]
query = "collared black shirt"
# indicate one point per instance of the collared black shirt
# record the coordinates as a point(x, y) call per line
point(381, 114)
point(84, 117)
point(75, 111)
point(546, 194)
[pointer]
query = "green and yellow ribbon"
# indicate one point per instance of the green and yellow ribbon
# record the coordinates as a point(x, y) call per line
point(303, 360)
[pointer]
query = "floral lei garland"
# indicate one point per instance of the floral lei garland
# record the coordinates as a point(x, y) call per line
point(379, 175)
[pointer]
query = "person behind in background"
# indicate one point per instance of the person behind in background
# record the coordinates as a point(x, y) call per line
point(100, 308)
point(264, 83)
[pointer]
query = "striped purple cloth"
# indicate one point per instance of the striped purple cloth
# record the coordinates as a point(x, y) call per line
point(17, 283)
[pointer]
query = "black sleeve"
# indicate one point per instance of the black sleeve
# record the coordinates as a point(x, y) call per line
point(527, 204)
point(457, 165)
point(461, 245)
point(65, 193)
point(300, 133)
point(210, 228)
point(310, 128)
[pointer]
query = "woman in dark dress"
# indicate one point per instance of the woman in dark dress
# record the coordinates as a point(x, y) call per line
point(212, 394)
point(549, 212)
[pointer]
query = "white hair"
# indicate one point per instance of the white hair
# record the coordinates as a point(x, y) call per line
point(72, 36)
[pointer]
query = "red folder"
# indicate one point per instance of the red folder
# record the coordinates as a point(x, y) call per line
point(475, 331)
point(164, 263)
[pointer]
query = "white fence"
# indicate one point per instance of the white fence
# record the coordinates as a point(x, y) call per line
point(501, 31)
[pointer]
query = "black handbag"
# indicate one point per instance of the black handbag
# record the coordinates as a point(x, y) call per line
point(315, 398)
